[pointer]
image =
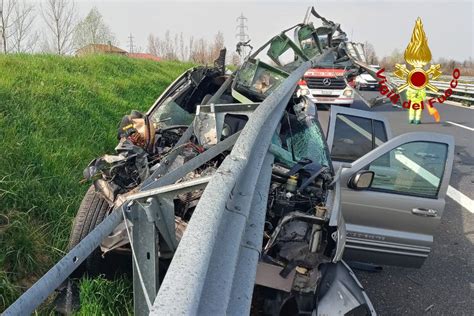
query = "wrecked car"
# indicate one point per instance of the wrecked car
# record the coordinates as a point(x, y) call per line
point(390, 191)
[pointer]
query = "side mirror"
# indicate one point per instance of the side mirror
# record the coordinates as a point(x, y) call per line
point(361, 180)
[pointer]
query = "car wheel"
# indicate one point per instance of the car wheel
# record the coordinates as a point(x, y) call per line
point(92, 211)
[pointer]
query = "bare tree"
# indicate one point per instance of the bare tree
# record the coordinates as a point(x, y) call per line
point(6, 22)
point(176, 46)
point(173, 47)
point(199, 54)
point(182, 48)
point(388, 62)
point(369, 51)
point(92, 30)
point(217, 45)
point(205, 52)
point(190, 47)
point(23, 37)
point(152, 46)
point(166, 48)
point(235, 59)
point(60, 18)
point(156, 46)
point(170, 47)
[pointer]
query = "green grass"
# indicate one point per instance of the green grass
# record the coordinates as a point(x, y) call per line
point(100, 296)
point(56, 115)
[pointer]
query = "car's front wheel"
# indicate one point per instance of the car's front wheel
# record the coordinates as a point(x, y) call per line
point(92, 211)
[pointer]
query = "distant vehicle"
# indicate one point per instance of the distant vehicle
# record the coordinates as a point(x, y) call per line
point(327, 86)
point(366, 82)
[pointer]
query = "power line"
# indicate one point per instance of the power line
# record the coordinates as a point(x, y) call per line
point(130, 43)
point(242, 35)
point(242, 27)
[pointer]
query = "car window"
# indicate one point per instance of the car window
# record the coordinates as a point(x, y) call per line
point(355, 136)
point(414, 168)
point(379, 132)
point(258, 79)
point(170, 113)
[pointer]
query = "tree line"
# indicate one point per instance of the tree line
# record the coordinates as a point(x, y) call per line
point(177, 47)
point(447, 64)
point(63, 30)
point(396, 57)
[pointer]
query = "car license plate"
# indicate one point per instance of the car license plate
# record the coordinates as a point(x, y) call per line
point(326, 92)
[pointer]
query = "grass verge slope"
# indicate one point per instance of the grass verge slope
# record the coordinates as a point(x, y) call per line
point(56, 115)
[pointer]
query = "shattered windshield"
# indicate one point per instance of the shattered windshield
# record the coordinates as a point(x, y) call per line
point(170, 113)
point(300, 140)
point(309, 142)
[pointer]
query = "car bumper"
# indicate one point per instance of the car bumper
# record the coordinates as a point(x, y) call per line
point(332, 100)
point(340, 292)
point(331, 96)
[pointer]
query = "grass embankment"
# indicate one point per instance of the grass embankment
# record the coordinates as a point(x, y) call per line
point(56, 115)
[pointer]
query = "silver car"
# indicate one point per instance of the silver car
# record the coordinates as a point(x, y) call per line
point(394, 220)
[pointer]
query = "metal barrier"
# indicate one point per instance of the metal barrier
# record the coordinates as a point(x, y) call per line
point(35, 295)
point(462, 92)
point(214, 267)
point(213, 270)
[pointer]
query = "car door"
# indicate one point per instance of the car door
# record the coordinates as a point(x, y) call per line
point(394, 220)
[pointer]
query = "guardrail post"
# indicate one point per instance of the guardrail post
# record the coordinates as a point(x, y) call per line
point(146, 246)
point(151, 213)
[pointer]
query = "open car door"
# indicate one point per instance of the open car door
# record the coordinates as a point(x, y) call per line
point(393, 220)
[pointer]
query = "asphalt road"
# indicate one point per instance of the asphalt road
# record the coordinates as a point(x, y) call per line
point(444, 285)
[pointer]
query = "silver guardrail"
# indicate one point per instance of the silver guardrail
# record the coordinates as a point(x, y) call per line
point(213, 269)
point(462, 92)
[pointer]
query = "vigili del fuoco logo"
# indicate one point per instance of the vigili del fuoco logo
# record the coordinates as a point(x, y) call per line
point(417, 79)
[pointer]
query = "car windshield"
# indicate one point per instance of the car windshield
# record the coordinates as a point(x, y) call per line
point(301, 140)
point(309, 142)
point(168, 112)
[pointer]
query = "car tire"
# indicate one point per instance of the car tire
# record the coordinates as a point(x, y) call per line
point(92, 211)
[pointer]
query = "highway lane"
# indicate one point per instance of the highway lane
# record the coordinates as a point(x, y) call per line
point(445, 283)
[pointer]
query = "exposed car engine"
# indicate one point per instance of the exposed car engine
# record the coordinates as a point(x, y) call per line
point(297, 236)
